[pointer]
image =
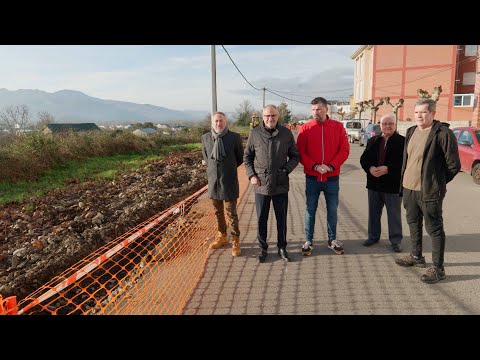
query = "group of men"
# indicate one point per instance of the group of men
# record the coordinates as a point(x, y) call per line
point(416, 167)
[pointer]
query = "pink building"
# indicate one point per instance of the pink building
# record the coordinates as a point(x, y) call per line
point(398, 71)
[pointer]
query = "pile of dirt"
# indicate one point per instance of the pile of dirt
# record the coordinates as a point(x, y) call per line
point(43, 236)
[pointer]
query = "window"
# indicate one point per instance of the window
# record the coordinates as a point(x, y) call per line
point(469, 78)
point(465, 137)
point(470, 50)
point(463, 100)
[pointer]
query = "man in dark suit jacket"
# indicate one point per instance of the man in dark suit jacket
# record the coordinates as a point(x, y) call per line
point(382, 161)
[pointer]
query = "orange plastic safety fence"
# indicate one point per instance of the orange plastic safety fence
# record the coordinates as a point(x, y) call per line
point(151, 269)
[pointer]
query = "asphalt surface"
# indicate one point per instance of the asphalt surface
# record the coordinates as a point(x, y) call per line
point(363, 280)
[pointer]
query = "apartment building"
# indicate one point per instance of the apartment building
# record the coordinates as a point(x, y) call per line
point(398, 71)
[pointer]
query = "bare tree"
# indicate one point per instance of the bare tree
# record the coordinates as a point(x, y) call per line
point(44, 119)
point(244, 112)
point(15, 118)
point(206, 123)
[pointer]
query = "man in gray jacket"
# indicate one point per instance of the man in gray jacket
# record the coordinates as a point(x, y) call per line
point(223, 153)
point(270, 155)
point(430, 161)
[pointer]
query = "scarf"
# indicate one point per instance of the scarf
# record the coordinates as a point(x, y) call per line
point(218, 151)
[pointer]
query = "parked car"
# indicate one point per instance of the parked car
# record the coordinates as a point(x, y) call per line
point(368, 132)
point(468, 139)
point(353, 128)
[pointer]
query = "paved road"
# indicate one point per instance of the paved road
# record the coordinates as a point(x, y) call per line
point(363, 280)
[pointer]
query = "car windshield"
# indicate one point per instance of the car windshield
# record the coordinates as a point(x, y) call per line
point(354, 125)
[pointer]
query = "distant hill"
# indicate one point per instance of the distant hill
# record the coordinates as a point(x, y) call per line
point(71, 106)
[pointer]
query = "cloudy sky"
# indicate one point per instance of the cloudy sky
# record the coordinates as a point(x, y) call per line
point(179, 76)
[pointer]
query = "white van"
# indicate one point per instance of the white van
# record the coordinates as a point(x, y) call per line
point(354, 130)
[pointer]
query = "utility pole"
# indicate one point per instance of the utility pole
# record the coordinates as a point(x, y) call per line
point(264, 97)
point(214, 80)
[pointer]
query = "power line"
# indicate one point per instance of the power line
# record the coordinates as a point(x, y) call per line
point(233, 62)
point(387, 86)
point(322, 92)
point(300, 102)
point(273, 91)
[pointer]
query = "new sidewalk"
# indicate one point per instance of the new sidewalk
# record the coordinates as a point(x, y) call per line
point(362, 281)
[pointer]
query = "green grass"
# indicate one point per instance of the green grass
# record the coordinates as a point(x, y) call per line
point(94, 169)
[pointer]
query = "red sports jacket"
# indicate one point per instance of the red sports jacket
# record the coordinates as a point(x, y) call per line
point(323, 143)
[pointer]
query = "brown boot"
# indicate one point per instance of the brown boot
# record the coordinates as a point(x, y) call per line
point(236, 246)
point(220, 241)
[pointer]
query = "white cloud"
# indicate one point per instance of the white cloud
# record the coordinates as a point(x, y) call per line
point(179, 77)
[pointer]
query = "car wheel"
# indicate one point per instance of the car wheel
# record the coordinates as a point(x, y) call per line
point(476, 174)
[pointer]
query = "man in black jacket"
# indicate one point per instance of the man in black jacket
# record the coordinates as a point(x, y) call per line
point(382, 161)
point(223, 153)
point(270, 155)
point(430, 161)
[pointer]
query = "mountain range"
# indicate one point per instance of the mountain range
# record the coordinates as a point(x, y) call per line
point(70, 106)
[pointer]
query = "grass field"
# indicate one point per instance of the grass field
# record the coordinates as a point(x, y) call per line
point(98, 168)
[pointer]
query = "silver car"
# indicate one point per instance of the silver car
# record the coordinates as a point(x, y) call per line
point(368, 132)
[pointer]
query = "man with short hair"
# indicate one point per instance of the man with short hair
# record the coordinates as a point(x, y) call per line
point(430, 161)
point(270, 156)
point(223, 153)
point(382, 161)
point(323, 146)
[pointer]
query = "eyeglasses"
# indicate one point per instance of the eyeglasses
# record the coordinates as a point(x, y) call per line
point(269, 116)
point(387, 124)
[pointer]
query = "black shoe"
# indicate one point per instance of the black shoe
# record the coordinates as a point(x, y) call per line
point(397, 248)
point(283, 254)
point(369, 243)
point(262, 256)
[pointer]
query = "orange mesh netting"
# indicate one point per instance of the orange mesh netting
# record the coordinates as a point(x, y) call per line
point(151, 269)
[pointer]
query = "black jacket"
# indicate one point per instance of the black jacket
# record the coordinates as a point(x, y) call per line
point(271, 156)
point(388, 183)
point(222, 177)
point(441, 161)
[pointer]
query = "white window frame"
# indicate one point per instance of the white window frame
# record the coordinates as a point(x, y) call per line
point(463, 96)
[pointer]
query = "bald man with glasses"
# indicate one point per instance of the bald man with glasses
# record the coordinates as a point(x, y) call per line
point(382, 161)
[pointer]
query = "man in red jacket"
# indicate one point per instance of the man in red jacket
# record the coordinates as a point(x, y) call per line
point(323, 147)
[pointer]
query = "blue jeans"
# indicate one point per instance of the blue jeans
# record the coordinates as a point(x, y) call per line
point(330, 189)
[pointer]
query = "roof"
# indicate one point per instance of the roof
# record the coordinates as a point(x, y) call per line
point(148, 130)
point(72, 127)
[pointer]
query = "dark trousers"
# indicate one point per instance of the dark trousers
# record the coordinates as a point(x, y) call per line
point(231, 207)
point(393, 203)
point(262, 206)
point(417, 210)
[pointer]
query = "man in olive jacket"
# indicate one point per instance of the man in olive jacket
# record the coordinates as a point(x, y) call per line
point(223, 153)
point(430, 161)
point(270, 155)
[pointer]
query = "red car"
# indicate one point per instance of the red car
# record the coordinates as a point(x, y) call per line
point(468, 139)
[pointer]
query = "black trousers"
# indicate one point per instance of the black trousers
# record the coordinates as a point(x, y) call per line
point(417, 210)
point(262, 206)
